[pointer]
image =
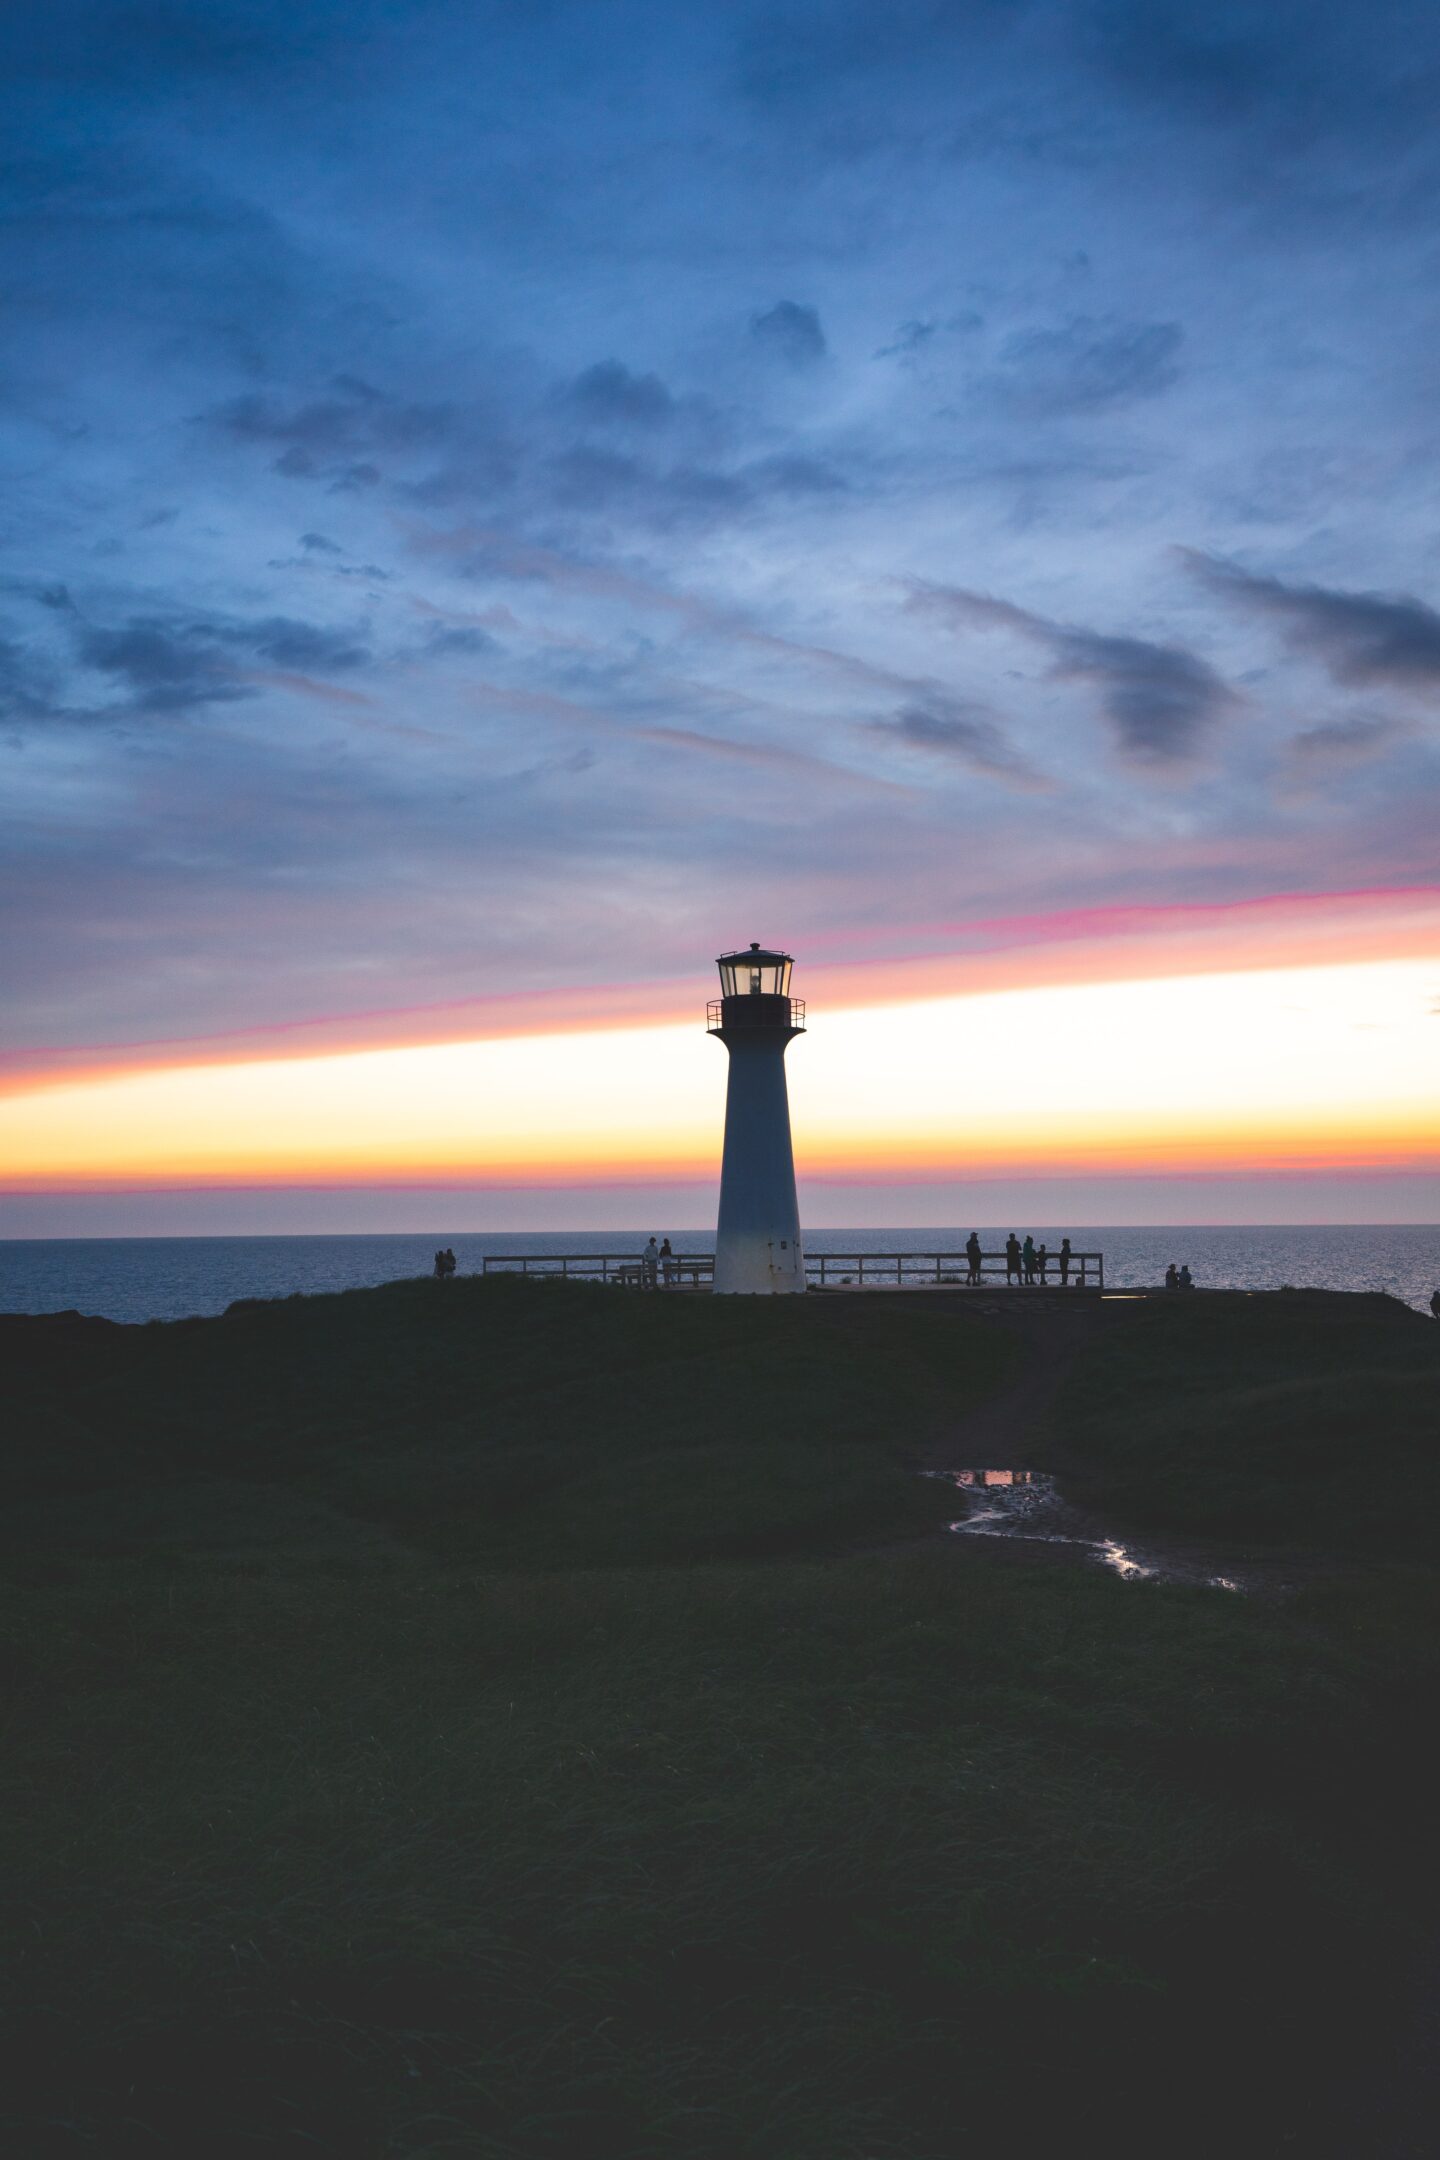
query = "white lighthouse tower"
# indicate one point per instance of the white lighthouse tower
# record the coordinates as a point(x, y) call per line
point(757, 1241)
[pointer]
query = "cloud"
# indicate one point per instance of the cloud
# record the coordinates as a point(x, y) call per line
point(794, 476)
point(611, 483)
point(1160, 700)
point(164, 671)
point(339, 435)
point(319, 545)
point(952, 728)
point(172, 667)
point(1089, 366)
point(790, 332)
point(292, 644)
point(609, 392)
point(908, 339)
point(468, 641)
point(914, 336)
point(1340, 745)
point(1357, 637)
point(24, 684)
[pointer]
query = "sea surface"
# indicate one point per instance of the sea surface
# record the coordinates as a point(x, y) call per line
point(158, 1278)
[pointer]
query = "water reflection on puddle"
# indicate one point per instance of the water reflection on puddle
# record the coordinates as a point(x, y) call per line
point(1026, 1504)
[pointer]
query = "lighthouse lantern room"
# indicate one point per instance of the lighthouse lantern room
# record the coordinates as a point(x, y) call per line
point(757, 1239)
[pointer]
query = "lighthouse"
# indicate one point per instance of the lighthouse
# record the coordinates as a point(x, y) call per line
point(757, 1240)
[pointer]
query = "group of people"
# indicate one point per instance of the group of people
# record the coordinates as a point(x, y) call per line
point(445, 1264)
point(1024, 1263)
point(658, 1262)
point(1178, 1278)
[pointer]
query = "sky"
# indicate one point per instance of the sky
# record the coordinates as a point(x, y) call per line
point(502, 503)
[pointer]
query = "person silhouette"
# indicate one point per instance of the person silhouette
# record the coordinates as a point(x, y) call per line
point(667, 1264)
point(1172, 1277)
point(973, 1256)
point(1042, 1261)
point(1185, 1280)
point(1064, 1263)
point(650, 1260)
point(1435, 1303)
point(1027, 1256)
point(1012, 1257)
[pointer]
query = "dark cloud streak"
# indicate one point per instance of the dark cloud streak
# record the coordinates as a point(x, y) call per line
point(962, 733)
point(1162, 701)
point(1360, 638)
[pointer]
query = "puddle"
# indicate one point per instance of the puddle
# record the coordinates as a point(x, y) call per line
point(1028, 1505)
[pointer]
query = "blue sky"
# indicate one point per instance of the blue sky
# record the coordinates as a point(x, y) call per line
point(518, 497)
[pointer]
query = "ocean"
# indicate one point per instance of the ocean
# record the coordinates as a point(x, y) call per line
point(159, 1278)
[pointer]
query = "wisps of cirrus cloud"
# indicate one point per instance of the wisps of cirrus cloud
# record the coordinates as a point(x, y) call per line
point(1361, 639)
point(960, 731)
point(611, 441)
point(1338, 745)
point(1162, 701)
point(153, 665)
point(1087, 366)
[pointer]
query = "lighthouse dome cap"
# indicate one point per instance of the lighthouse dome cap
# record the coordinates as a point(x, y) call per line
point(755, 956)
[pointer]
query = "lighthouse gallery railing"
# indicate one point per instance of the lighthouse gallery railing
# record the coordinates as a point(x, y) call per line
point(736, 1012)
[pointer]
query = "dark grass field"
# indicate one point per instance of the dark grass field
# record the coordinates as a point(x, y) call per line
point(459, 1721)
point(1295, 1416)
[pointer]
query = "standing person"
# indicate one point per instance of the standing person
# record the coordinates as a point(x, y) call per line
point(973, 1256)
point(650, 1260)
point(667, 1264)
point(1012, 1257)
point(1042, 1261)
point(440, 1266)
point(1027, 1258)
point(1064, 1263)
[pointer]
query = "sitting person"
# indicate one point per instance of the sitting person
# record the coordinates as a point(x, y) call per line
point(1172, 1277)
point(1185, 1280)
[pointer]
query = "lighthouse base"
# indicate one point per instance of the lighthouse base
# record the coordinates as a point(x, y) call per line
point(752, 1266)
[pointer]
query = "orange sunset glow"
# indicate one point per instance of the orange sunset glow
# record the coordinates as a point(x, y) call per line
point(1261, 1070)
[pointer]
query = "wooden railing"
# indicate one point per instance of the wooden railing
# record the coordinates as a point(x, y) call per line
point(596, 1267)
point(1083, 1270)
point(827, 1271)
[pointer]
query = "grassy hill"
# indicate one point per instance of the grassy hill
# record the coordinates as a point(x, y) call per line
point(445, 1720)
point(507, 1422)
point(1297, 1416)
